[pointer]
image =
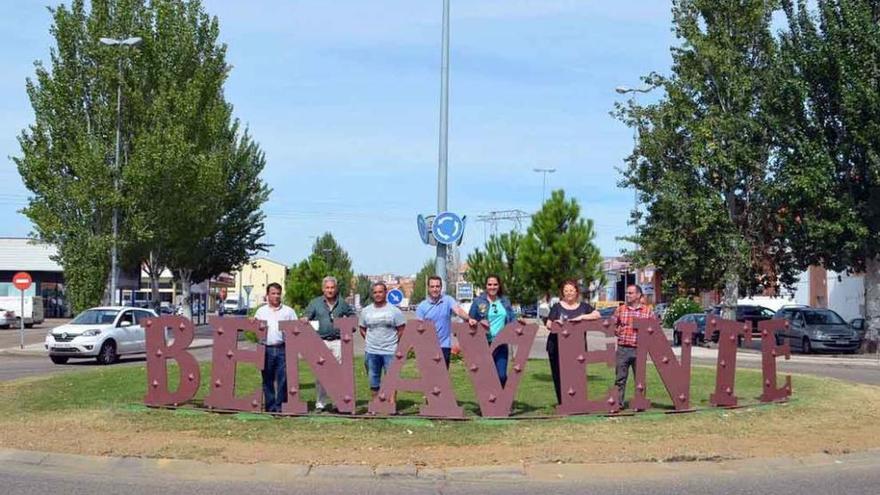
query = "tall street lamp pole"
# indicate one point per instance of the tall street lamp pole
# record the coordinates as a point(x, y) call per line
point(114, 255)
point(440, 263)
point(627, 90)
point(544, 171)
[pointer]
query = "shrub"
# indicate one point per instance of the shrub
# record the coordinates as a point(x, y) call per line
point(679, 308)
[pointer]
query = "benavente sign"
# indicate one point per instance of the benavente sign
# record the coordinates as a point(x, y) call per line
point(419, 340)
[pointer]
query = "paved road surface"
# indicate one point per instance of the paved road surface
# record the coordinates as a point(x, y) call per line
point(859, 474)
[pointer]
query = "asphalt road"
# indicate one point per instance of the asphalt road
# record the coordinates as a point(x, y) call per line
point(859, 475)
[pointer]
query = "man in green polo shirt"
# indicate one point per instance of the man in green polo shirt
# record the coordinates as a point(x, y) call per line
point(325, 309)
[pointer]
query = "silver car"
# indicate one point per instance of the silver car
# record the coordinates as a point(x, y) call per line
point(817, 329)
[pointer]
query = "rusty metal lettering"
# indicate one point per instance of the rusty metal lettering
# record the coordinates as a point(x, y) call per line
point(159, 352)
point(495, 401)
point(168, 337)
point(433, 381)
point(675, 375)
point(226, 357)
point(574, 357)
point(301, 340)
point(770, 352)
point(729, 334)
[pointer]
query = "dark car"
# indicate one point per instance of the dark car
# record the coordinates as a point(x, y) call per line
point(746, 312)
point(660, 310)
point(699, 336)
point(818, 329)
point(860, 326)
point(529, 311)
point(607, 312)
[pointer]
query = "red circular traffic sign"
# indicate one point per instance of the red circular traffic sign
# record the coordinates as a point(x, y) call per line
point(22, 280)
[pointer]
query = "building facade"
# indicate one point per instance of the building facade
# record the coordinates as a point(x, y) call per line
point(250, 282)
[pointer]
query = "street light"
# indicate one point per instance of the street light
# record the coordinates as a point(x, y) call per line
point(624, 90)
point(114, 275)
point(440, 262)
point(544, 171)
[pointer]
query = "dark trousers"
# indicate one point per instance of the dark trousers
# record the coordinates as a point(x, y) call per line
point(274, 378)
point(626, 359)
point(553, 357)
point(500, 356)
point(447, 355)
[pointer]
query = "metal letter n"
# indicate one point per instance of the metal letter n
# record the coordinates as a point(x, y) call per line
point(676, 376)
point(337, 378)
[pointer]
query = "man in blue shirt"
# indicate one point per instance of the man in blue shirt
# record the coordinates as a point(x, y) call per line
point(439, 308)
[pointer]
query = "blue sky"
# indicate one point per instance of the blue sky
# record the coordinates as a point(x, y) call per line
point(343, 96)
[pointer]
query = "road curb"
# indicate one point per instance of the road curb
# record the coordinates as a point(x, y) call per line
point(281, 473)
point(41, 352)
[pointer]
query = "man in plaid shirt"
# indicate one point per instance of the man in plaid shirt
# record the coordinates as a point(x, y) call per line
point(627, 336)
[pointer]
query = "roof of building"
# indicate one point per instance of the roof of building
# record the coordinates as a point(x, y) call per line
point(21, 254)
point(262, 258)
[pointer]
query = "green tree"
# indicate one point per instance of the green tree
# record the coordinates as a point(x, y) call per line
point(421, 283)
point(67, 153)
point(700, 164)
point(828, 133)
point(337, 259)
point(557, 246)
point(189, 192)
point(500, 257)
point(304, 282)
point(363, 288)
point(305, 278)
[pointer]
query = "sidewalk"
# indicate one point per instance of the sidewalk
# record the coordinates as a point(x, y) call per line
point(39, 350)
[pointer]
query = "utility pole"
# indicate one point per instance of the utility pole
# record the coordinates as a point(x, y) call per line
point(440, 263)
point(114, 254)
point(544, 171)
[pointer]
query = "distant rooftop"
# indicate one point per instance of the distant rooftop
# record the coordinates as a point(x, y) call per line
point(21, 254)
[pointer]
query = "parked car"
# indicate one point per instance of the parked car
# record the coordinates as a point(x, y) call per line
point(607, 312)
point(860, 326)
point(103, 333)
point(817, 329)
point(660, 310)
point(7, 318)
point(744, 313)
point(529, 311)
point(699, 336)
point(231, 305)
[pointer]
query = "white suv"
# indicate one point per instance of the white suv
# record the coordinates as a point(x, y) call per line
point(104, 333)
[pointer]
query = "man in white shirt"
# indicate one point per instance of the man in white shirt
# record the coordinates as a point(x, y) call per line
point(274, 369)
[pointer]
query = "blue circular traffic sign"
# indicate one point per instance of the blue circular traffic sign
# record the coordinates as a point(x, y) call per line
point(395, 296)
point(423, 229)
point(448, 228)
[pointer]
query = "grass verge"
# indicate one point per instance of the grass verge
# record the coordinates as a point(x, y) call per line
point(97, 412)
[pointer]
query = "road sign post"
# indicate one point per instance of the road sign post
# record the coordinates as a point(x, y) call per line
point(22, 281)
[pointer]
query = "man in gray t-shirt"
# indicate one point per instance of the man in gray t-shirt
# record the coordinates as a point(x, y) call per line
point(380, 325)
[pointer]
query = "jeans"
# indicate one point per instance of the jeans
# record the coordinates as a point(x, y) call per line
point(500, 356)
point(335, 347)
point(626, 359)
point(274, 378)
point(553, 357)
point(375, 364)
